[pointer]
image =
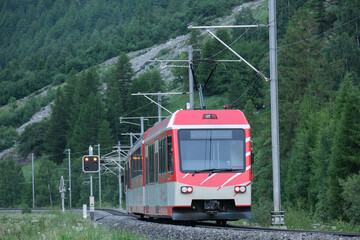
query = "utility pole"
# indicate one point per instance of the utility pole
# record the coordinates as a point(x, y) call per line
point(33, 179)
point(91, 198)
point(98, 145)
point(277, 217)
point(69, 179)
point(191, 78)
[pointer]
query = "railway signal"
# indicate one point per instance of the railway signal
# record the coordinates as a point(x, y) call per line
point(91, 163)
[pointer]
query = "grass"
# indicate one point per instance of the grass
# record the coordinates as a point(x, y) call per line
point(54, 225)
point(300, 220)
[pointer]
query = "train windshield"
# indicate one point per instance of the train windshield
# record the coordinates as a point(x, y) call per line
point(204, 150)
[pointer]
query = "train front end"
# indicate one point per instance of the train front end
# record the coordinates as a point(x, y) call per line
point(212, 163)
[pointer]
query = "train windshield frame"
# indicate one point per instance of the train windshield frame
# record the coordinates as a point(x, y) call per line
point(212, 150)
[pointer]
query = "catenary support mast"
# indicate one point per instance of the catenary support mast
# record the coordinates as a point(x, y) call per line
point(277, 215)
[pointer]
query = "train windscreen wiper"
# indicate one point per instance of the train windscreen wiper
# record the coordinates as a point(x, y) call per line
point(204, 170)
point(214, 170)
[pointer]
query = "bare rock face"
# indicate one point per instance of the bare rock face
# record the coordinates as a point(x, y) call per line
point(37, 117)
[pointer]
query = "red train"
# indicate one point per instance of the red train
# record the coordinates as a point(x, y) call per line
point(194, 165)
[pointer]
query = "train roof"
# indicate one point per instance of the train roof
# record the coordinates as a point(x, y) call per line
point(200, 118)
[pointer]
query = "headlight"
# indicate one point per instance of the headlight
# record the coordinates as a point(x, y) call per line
point(240, 189)
point(186, 189)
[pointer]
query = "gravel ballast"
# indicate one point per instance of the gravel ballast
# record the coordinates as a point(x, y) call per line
point(154, 230)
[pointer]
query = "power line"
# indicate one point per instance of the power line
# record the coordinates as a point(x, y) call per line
point(317, 35)
point(257, 78)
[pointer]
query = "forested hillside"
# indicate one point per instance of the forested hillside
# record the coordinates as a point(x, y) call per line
point(41, 41)
point(46, 42)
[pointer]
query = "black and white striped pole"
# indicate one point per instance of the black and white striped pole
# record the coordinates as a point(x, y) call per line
point(62, 191)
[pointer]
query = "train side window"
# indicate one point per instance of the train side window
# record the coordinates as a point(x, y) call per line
point(136, 163)
point(140, 161)
point(170, 157)
point(157, 161)
point(147, 163)
point(151, 164)
point(162, 150)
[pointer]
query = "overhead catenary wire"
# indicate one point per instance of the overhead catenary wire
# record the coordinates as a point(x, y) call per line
point(318, 35)
point(237, 99)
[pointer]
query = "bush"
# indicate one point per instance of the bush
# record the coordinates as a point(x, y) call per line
point(8, 136)
point(25, 209)
point(351, 189)
point(261, 212)
point(59, 78)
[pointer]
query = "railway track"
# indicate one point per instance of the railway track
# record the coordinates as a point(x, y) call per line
point(223, 232)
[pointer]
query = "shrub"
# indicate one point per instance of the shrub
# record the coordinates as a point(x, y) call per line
point(351, 189)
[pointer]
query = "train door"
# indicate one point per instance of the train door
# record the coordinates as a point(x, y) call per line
point(170, 170)
point(157, 187)
point(162, 174)
point(146, 202)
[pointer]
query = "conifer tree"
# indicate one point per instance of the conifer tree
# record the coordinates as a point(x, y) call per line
point(297, 75)
point(351, 187)
point(69, 93)
point(46, 190)
point(118, 93)
point(141, 84)
point(105, 137)
point(319, 180)
point(298, 174)
point(57, 127)
point(87, 126)
point(11, 183)
point(345, 156)
point(85, 84)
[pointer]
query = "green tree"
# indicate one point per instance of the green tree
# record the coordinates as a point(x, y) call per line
point(298, 173)
point(319, 179)
point(105, 137)
point(297, 73)
point(57, 126)
point(345, 157)
point(262, 167)
point(351, 189)
point(343, 54)
point(47, 183)
point(118, 93)
point(11, 183)
point(86, 110)
point(33, 139)
point(8, 136)
point(87, 126)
